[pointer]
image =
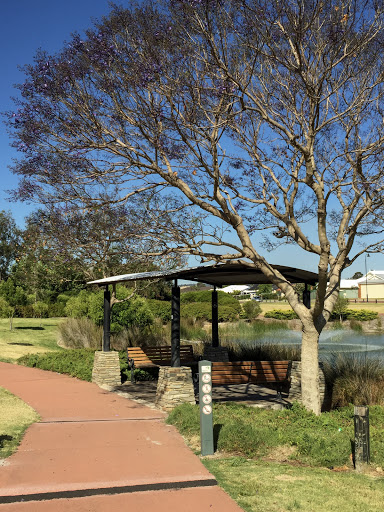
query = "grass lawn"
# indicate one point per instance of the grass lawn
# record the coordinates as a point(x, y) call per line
point(275, 487)
point(15, 417)
point(27, 337)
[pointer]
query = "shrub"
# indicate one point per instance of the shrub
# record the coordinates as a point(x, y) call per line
point(262, 351)
point(280, 314)
point(340, 308)
point(251, 309)
point(160, 309)
point(26, 311)
point(77, 307)
point(134, 312)
point(206, 296)
point(203, 311)
point(360, 314)
point(354, 379)
point(79, 333)
point(197, 310)
point(6, 310)
point(76, 363)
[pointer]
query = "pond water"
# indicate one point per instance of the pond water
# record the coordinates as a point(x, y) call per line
point(334, 341)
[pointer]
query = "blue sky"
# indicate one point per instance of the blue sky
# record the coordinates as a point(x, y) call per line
point(26, 26)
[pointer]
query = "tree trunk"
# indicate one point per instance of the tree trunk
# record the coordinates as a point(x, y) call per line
point(310, 370)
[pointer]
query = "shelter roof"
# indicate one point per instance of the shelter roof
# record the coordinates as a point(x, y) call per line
point(219, 275)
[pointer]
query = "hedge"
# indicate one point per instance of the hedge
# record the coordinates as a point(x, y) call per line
point(280, 314)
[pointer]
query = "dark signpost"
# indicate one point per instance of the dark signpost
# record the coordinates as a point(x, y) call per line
point(205, 401)
point(362, 447)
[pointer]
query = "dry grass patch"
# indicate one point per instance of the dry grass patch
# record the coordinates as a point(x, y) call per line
point(27, 337)
point(15, 418)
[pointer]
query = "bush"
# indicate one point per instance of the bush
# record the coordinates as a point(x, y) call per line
point(80, 333)
point(160, 309)
point(251, 309)
point(134, 312)
point(280, 314)
point(79, 363)
point(262, 351)
point(76, 363)
point(362, 315)
point(354, 379)
point(203, 311)
point(77, 307)
point(206, 296)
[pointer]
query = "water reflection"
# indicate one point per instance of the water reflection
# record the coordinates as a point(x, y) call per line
point(334, 341)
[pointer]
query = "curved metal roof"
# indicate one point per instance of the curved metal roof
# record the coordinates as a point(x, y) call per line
point(220, 274)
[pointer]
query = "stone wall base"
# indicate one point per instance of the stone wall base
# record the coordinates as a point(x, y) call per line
point(215, 354)
point(295, 387)
point(174, 387)
point(106, 369)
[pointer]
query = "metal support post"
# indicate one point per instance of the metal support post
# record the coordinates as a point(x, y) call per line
point(107, 320)
point(175, 326)
point(215, 319)
point(307, 297)
point(362, 444)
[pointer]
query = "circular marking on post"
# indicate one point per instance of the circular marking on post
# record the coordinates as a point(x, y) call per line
point(207, 399)
point(206, 388)
point(207, 409)
point(206, 378)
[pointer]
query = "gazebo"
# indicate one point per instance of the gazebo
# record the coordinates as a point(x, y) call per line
point(218, 275)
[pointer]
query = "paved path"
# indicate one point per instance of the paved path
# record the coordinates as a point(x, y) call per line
point(96, 451)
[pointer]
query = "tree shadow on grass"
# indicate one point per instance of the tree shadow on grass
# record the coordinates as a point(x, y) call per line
point(21, 344)
point(5, 438)
point(30, 328)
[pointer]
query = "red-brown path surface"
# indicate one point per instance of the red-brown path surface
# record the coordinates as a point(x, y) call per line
point(90, 440)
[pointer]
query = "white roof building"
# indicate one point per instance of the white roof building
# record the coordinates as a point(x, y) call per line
point(242, 288)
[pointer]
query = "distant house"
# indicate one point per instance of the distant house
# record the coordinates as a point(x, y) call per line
point(349, 288)
point(241, 289)
point(371, 285)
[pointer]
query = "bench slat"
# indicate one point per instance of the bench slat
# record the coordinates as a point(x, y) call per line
point(241, 372)
point(158, 356)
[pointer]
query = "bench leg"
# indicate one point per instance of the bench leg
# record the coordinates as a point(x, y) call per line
point(131, 366)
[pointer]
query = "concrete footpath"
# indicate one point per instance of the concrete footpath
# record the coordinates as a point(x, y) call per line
point(96, 451)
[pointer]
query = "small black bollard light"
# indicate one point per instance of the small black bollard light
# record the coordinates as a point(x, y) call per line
point(362, 443)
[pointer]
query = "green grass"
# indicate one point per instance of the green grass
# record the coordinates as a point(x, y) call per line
point(275, 487)
point(278, 461)
point(15, 417)
point(323, 440)
point(27, 337)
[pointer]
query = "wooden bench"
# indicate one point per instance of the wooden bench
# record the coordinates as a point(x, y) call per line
point(251, 372)
point(153, 357)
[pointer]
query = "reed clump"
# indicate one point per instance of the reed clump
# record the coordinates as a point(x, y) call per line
point(354, 379)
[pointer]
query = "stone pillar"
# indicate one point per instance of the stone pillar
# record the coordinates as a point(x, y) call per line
point(174, 387)
point(216, 354)
point(295, 386)
point(106, 369)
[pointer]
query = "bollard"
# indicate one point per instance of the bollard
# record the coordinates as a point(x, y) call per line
point(362, 448)
point(205, 402)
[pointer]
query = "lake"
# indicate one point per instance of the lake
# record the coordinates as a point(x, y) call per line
point(334, 341)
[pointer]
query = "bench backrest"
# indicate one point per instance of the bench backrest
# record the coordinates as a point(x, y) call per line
point(242, 372)
point(152, 356)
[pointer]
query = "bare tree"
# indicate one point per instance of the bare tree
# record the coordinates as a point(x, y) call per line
point(225, 118)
